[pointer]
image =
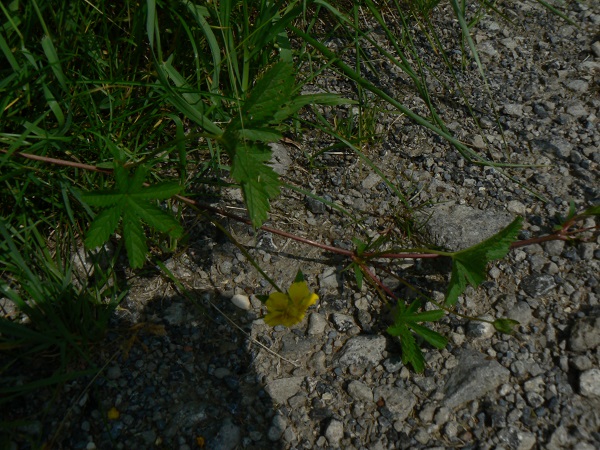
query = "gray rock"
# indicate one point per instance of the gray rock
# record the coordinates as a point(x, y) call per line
point(480, 330)
point(513, 109)
point(516, 207)
point(586, 251)
point(472, 378)
point(536, 285)
point(589, 383)
point(558, 146)
point(398, 400)
point(280, 159)
point(329, 279)
point(342, 322)
point(283, 388)
point(316, 324)
point(228, 437)
point(578, 85)
point(585, 335)
point(360, 391)
point(596, 48)
point(113, 372)
point(521, 312)
point(334, 433)
point(175, 314)
point(371, 181)
point(460, 226)
point(362, 350)
point(315, 206)
point(278, 426)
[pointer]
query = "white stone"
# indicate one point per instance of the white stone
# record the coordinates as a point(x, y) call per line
point(241, 301)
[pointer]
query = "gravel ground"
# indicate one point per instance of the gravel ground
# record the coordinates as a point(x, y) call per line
point(185, 374)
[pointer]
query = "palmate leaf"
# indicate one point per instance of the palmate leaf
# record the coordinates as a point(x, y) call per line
point(469, 265)
point(132, 203)
point(406, 322)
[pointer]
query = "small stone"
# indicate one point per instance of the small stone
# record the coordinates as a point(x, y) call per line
point(585, 335)
point(175, 314)
point(278, 426)
point(113, 372)
point(516, 207)
point(472, 378)
point(480, 330)
point(578, 85)
point(228, 437)
point(316, 324)
point(360, 391)
point(521, 312)
point(586, 251)
point(554, 248)
point(398, 401)
point(513, 109)
point(589, 383)
point(342, 322)
point(596, 48)
point(536, 285)
point(362, 350)
point(315, 206)
point(241, 301)
point(283, 388)
point(371, 181)
point(329, 279)
point(334, 433)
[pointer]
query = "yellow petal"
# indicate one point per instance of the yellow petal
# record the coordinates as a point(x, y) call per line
point(309, 300)
point(277, 301)
point(298, 291)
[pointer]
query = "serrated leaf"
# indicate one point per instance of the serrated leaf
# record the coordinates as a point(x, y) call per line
point(271, 91)
point(135, 241)
point(425, 316)
point(102, 227)
point(469, 265)
point(156, 218)
point(259, 134)
point(102, 199)
point(432, 337)
point(259, 181)
point(158, 191)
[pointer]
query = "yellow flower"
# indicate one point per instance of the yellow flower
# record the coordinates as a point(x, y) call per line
point(113, 413)
point(289, 309)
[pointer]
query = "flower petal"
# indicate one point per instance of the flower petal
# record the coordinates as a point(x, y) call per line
point(309, 300)
point(277, 301)
point(298, 291)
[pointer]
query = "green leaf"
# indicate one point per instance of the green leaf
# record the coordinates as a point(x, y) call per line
point(358, 274)
point(135, 204)
point(411, 353)
point(592, 211)
point(299, 277)
point(505, 326)
point(405, 324)
point(259, 181)
point(271, 91)
point(135, 241)
point(157, 218)
point(102, 227)
point(469, 265)
point(259, 134)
